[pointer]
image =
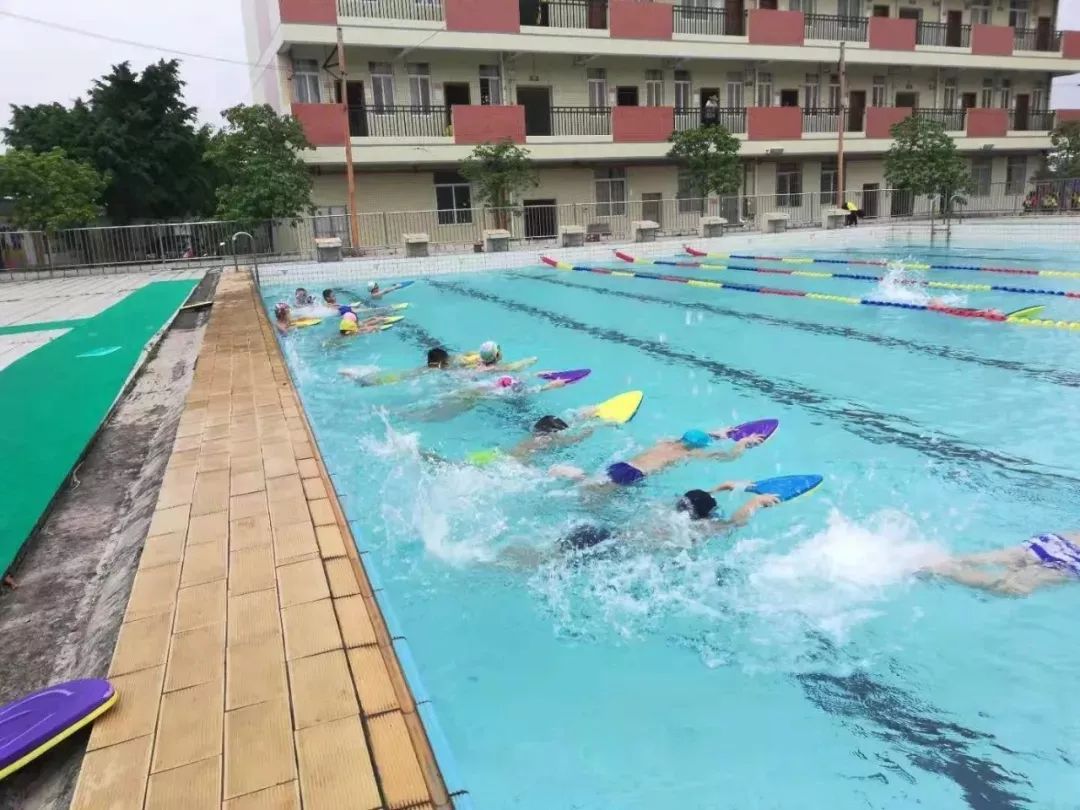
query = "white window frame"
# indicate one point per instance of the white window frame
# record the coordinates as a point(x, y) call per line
point(1020, 14)
point(684, 90)
point(981, 12)
point(951, 95)
point(492, 81)
point(654, 88)
point(457, 214)
point(982, 176)
point(1012, 185)
point(736, 100)
point(764, 90)
point(812, 91)
point(828, 195)
point(834, 92)
point(597, 88)
point(688, 202)
point(1005, 94)
point(791, 196)
point(382, 87)
point(420, 85)
point(986, 94)
point(307, 81)
point(1038, 99)
point(878, 93)
point(611, 192)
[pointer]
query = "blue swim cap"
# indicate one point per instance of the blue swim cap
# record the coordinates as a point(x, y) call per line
point(342, 309)
point(696, 439)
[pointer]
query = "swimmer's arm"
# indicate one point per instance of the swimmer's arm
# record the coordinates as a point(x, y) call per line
point(732, 454)
point(435, 458)
point(535, 444)
point(743, 514)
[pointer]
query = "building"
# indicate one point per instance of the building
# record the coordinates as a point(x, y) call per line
point(594, 88)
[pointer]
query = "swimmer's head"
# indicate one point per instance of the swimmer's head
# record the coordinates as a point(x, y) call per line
point(301, 295)
point(438, 358)
point(347, 327)
point(699, 503)
point(490, 353)
point(696, 439)
point(506, 382)
point(549, 424)
point(373, 286)
point(328, 296)
point(281, 310)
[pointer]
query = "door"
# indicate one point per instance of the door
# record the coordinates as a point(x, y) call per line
point(597, 14)
point(907, 100)
point(710, 110)
point(354, 92)
point(789, 98)
point(1021, 110)
point(870, 199)
point(652, 208)
point(768, 4)
point(881, 11)
point(967, 100)
point(533, 12)
point(733, 13)
point(1044, 34)
point(537, 104)
point(954, 25)
point(856, 108)
point(541, 219)
point(626, 96)
point(454, 93)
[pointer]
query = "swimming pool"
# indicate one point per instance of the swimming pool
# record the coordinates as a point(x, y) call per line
point(795, 663)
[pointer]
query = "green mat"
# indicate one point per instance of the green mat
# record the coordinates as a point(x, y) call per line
point(54, 400)
point(42, 326)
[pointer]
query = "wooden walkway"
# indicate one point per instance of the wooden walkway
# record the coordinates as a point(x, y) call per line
point(253, 666)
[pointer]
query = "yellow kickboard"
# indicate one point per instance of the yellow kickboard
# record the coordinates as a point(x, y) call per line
point(620, 409)
point(300, 323)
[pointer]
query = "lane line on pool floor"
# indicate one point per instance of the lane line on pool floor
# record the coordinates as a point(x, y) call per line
point(1050, 376)
point(860, 420)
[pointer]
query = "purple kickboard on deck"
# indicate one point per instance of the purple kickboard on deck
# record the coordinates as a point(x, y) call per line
point(35, 719)
point(762, 427)
point(573, 375)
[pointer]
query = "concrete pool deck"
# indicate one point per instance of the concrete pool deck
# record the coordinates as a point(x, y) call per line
point(253, 666)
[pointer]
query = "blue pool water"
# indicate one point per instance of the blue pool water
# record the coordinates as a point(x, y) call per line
point(797, 663)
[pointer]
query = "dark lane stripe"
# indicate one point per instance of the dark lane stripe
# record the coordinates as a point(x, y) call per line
point(860, 420)
point(1065, 378)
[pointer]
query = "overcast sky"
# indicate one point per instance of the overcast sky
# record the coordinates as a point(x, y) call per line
point(40, 64)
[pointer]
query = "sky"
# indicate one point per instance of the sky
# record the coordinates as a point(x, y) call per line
point(41, 64)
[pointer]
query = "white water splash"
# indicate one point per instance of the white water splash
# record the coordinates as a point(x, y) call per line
point(893, 287)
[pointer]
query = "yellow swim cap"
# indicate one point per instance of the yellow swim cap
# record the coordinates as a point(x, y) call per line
point(347, 327)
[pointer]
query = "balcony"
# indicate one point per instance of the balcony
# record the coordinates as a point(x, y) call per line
point(943, 35)
point(733, 119)
point(399, 121)
point(1045, 40)
point(952, 120)
point(705, 21)
point(580, 14)
point(425, 10)
point(836, 29)
point(1032, 121)
point(568, 122)
point(818, 120)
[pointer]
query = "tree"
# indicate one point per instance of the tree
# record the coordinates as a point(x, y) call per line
point(49, 190)
point(923, 160)
point(257, 157)
point(710, 156)
point(1063, 161)
point(137, 131)
point(498, 172)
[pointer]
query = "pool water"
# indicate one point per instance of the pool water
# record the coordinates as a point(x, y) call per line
point(797, 663)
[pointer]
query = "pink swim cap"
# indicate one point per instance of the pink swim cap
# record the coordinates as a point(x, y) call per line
point(349, 316)
point(507, 382)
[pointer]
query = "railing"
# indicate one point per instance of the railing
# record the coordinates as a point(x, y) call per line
point(708, 21)
point(1036, 39)
point(428, 10)
point(952, 120)
point(1032, 121)
point(820, 119)
point(733, 119)
point(837, 29)
point(568, 14)
point(943, 35)
point(399, 121)
point(578, 121)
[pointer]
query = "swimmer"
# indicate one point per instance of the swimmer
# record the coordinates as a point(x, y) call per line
point(438, 359)
point(282, 317)
point(458, 402)
point(1044, 560)
point(303, 298)
point(329, 298)
point(664, 454)
point(350, 326)
point(376, 292)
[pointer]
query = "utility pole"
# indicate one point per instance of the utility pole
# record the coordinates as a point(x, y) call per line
point(840, 129)
point(350, 177)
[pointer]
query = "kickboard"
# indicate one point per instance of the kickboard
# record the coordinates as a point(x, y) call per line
point(401, 285)
point(759, 427)
point(300, 323)
point(102, 352)
point(1026, 313)
point(482, 458)
point(620, 409)
point(472, 360)
point(569, 376)
point(361, 308)
point(787, 487)
point(33, 724)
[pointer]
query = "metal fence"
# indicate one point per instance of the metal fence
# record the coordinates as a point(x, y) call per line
point(579, 121)
point(399, 121)
point(707, 21)
point(201, 244)
point(429, 10)
point(943, 35)
point(952, 120)
point(837, 29)
point(1036, 39)
point(570, 14)
point(733, 119)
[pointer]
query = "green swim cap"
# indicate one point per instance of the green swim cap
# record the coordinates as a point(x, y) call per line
point(696, 439)
point(481, 458)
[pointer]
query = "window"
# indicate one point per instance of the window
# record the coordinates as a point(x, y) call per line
point(980, 12)
point(453, 198)
point(1016, 174)
point(735, 91)
point(306, 81)
point(949, 101)
point(805, 6)
point(1005, 94)
point(1038, 99)
point(683, 90)
point(980, 176)
point(382, 86)
point(420, 85)
point(849, 8)
point(597, 82)
point(834, 92)
point(788, 185)
point(829, 180)
point(654, 88)
point(687, 195)
point(986, 98)
point(490, 85)
point(764, 90)
point(610, 192)
point(811, 91)
point(877, 93)
point(1020, 13)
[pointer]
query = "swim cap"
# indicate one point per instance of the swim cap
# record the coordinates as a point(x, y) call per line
point(489, 351)
point(696, 439)
point(347, 327)
point(549, 424)
point(349, 315)
point(699, 503)
point(507, 382)
point(371, 285)
point(281, 306)
point(343, 310)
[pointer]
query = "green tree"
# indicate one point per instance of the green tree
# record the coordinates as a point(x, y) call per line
point(49, 190)
point(1063, 160)
point(498, 172)
point(137, 131)
point(710, 156)
point(261, 172)
point(923, 160)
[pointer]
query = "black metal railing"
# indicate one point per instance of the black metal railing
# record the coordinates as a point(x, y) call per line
point(943, 35)
point(952, 120)
point(566, 14)
point(1036, 39)
point(733, 119)
point(820, 119)
point(710, 21)
point(576, 121)
point(1032, 120)
point(837, 29)
point(429, 10)
point(399, 121)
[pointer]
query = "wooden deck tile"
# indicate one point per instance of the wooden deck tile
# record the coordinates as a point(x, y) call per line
point(356, 627)
point(153, 592)
point(190, 787)
point(249, 505)
point(372, 680)
point(253, 617)
point(255, 672)
point(189, 728)
point(186, 444)
point(135, 713)
point(205, 563)
point(245, 464)
point(208, 528)
point(293, 510)
point(248, 532)
point(211, 493)
point(302, 582)
point(399, 770)
point(309, 468)
point(258, 748)
point(322, 514)
point(199, 606)
point(310, 629)
point(247, 482)
point(339, 572)
point(114, 778)
point(142, 644)
point(314, 489)
point(294, 542)
point(196, 657)
point(335, 769)
point(251, 569)
point(165, 521)
point(214, 461)
point(331, 543)
point(321, 689)
point(278, 797)
point(162, 549)
point(285, 488)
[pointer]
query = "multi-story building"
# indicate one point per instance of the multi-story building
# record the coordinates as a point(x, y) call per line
point(594, 89)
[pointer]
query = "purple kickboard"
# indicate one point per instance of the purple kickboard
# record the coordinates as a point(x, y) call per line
point(761, 427)
point(35, 719)
point(573, 375)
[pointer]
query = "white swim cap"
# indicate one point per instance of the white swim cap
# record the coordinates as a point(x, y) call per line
point(489, 351)
point(371, 285)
